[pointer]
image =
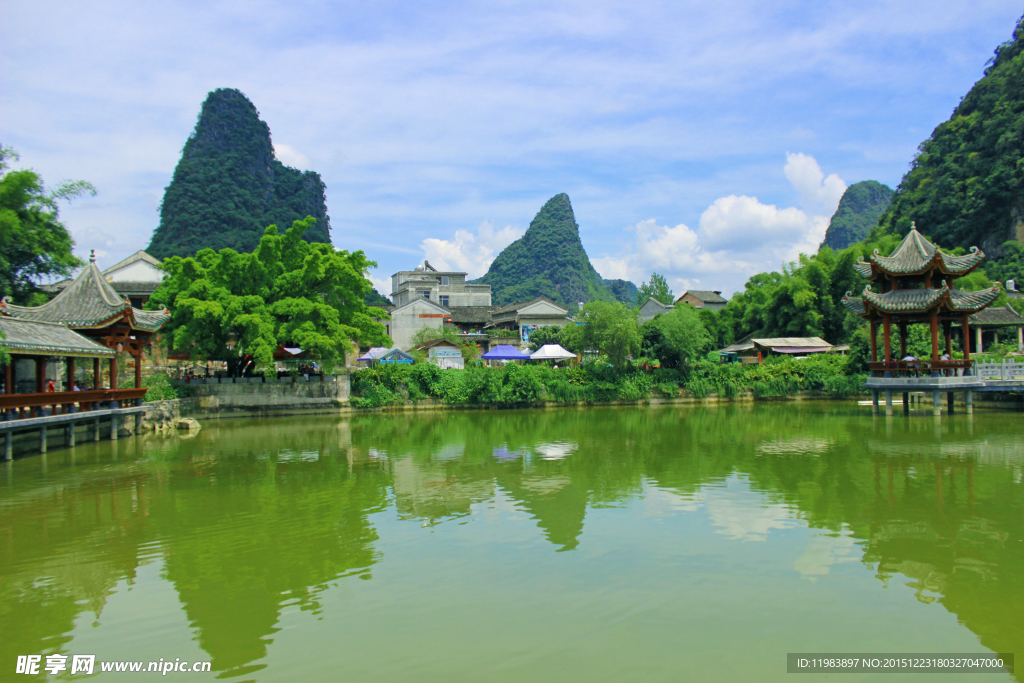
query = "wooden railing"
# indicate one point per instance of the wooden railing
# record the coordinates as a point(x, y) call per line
point(918, 368)
point(62, 401)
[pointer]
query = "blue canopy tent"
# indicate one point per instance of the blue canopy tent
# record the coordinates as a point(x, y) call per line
point(396, 356)
point(505, 352)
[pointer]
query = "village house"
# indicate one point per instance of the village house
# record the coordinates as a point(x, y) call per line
point(445, 288)
point(429, 298)
point(702, 299)
point(527, 316)
point(653, 307)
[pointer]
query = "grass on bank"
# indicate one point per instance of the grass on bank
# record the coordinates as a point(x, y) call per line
point(596, 381)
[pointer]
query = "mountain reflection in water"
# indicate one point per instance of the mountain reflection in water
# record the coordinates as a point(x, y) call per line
point(252, 524)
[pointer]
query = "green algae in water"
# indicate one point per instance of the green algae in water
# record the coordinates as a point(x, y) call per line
point(595, 544)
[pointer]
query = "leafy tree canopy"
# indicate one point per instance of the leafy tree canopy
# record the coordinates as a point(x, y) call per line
point(682, 337)
point(33, 243)
point(658, 288)
point(611, 328)
point(287, 291)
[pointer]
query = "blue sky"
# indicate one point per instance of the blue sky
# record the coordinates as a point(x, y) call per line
point(704, 141)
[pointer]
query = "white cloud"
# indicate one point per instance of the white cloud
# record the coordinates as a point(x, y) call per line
point(289, 156)
point(470, 252)
point(737, 235)
point(382, 285)
point(817, 193)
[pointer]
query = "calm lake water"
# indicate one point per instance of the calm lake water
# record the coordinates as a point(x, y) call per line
point(604, 544)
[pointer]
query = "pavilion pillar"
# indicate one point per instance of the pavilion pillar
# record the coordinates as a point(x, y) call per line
point(71, 375)
point(887, 337)
point(9, 377)
point(874, 341)
point(947, 328)
point(935, 333)
point(977, 341)
point(113, 372)
point(40, 373)
point(903, 340)
point(138, 370)
point(95, 373)
point(967, 337)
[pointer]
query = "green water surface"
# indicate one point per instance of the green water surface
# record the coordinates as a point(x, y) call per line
point(600, 544)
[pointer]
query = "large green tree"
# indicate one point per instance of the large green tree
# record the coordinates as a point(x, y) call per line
point(287, 291)
point(682, 333)
point(657, 287)
point(612, 329)
point(34, 244)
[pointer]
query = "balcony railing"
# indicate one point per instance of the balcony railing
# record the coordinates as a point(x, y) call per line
point(63, 402)
point(918, 368)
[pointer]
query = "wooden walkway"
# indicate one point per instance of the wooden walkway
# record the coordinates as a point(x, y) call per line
point(67, 409)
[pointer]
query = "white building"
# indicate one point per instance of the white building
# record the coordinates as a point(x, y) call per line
point(444, 288)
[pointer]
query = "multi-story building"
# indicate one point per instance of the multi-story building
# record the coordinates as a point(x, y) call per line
point(445, 288)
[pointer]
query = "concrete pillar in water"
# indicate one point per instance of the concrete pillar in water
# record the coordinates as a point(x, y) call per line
point(8, 445)
point(949, 402)
point(874, 401)
point(906, 403)
point(888, 402)
point(969, 401)
point(42, 439)
point(936, 403)
point(96, 429)
point(113, 427)
point(71, 435)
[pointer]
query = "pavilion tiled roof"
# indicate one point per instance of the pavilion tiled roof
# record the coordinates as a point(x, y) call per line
point(922, 300)
point(88, 302)
point(41, 338)
point(914, 256)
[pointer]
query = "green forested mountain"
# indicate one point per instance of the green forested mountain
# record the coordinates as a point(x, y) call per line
point(549, 260)
point(966, 186)
point(228, 186)
point(860, 208)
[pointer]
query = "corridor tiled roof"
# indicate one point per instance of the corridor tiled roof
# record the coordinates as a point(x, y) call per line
point(88, 302)
point(1004, 315)
point(39, 338)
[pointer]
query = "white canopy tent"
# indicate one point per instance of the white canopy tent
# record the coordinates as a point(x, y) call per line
point(552, 352)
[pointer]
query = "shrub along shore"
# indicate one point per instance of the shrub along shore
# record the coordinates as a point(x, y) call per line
point(515, 385)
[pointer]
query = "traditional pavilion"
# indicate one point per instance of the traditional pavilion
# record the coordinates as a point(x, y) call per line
point(91, 307)
point(913, 288)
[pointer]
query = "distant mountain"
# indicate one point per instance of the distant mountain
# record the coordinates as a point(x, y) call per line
point(375, 298)
point(965, 187)
point(549, 260)
point(623, 290)
point(228, 186)
point(860, 208)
